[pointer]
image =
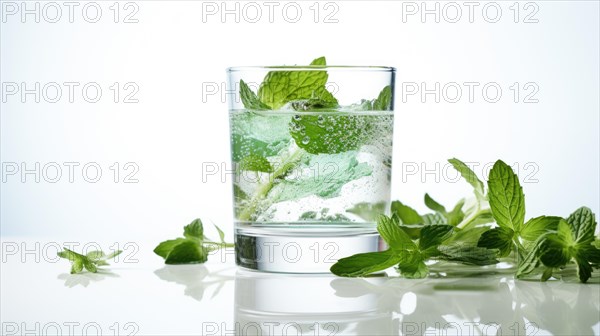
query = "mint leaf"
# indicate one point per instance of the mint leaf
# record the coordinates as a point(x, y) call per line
point(221, 234)
point(394, 236)
point(328, 134)
point(407, 214)
point(467, 254)
point(537, 226)
point(281, 87)
point(506, 197)
point(584, 224)
point(250, 99)
point(257, 163)
point(468, 174)
point(95, 255)
point(383, 102)
point(455, 216)
point(319, 61)
point(187, 252)
point(434, 219)
point(364, 263)
point(499, 238)
point(192, 249)
point(77, 266)
point(411, 266)
point(194, 230)
point(433, 205)
point(368, 211)
point(433, 235)
point(163, 249)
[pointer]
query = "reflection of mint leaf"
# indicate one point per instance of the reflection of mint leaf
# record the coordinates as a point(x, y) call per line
point(280, 87)
point(193, 248)
point(256, 163)
point(250, 99)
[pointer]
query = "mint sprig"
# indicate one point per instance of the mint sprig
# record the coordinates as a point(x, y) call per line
point(543, 245)
point(91, 261)
point(193, 248)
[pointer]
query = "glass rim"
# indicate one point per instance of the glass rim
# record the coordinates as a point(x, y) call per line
point(367, 68)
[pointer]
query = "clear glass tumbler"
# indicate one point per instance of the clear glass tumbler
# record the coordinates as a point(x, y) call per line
point(311, 150)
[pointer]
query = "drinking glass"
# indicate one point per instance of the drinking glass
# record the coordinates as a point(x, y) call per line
point(312, 171)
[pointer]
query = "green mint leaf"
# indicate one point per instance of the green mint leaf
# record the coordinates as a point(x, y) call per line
point(583, 224)
point(407, 214)
point(323, 99)
point(321, 180)
point(163, 249)
point(556, 248)
point(433, 205)
point(411, 266)
point(281, 87)
point(467, 254)
point(221, 234)
point(113, 255)
point(469, 175)
point(70, 255)
point(394, 236)
point(584, 269)
point(89, 266)
point(384, 101)
point(187, 252)
point(506, 197)
point(319, 61)
point(250, 99)
point(499, 238)
point(368, 211)
point(365, 263)
point(537, 226)
point(531, 261)
point(77, 266)
point(257, 163)
point(328, 134)
point(547, 274)
point(456, 215)
point(194, 230)
point(433, 235)
point(434, 219)
point(95, 255)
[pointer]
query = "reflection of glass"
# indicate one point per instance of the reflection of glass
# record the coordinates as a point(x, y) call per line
point(277, 304)
point(486, 306)
point(310, 176)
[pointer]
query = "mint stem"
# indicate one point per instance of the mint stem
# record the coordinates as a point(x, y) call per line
point(286, 165)
point(467, 221)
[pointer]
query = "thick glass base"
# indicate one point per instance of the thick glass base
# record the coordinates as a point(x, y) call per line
point(299, 249)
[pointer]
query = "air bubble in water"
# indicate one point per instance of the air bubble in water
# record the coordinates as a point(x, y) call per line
point(305, 140)
point(297, 117)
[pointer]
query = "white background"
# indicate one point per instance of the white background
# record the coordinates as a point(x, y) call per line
point(178, 51)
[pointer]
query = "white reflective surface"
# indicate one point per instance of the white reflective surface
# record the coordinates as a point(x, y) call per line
point(146, 297)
